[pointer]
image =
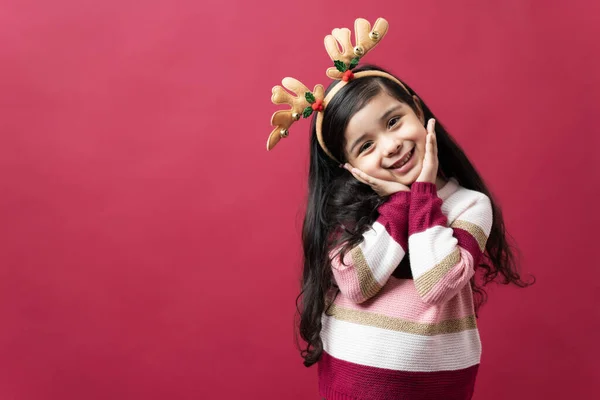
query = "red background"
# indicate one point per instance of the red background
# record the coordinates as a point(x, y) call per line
point(149, 245)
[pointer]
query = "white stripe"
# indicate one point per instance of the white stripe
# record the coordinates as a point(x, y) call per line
point(430, 247)
point(471, 206)
point(400, 351)
point(381, 252)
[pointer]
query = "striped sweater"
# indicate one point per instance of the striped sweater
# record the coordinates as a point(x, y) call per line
point(403, 324)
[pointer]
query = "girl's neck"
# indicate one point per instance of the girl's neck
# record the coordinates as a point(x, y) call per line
point(440, 182)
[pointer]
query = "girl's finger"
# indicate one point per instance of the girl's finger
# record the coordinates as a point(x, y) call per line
point(356, 173)
point(349, 167)
point(431, 126)
point(368, 179)
point(364, 177)
point(358, 178)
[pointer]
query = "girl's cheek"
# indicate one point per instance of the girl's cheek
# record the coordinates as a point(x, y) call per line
point(370, 170)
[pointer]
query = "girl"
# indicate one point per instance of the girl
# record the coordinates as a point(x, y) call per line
point(392, 239)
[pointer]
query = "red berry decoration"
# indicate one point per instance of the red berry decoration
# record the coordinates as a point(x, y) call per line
point(317, 105)
point(347, 76)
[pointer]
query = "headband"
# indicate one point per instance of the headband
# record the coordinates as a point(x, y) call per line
point(305, 102)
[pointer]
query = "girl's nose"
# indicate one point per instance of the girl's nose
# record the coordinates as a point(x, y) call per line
point(392, 147)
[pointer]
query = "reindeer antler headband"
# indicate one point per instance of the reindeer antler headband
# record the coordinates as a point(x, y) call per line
point(306, 102)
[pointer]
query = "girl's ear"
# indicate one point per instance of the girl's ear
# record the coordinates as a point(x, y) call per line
point(419, 112)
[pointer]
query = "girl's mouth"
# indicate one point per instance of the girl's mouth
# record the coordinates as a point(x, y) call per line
point(405, 164)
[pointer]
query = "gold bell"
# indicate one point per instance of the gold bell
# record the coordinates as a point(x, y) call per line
point(296, 116)
point(374, 35)
point(359, 51)
point(284, 133)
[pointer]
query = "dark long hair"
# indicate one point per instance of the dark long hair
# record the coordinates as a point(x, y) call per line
point(340, 208)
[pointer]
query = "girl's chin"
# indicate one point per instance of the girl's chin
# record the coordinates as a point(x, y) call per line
point(407, 179)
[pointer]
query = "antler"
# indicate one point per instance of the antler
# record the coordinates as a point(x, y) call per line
point(282, 120)
point(366, 39)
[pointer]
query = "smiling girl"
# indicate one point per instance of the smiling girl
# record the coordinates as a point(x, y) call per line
point(398, 226)
point(392, 242)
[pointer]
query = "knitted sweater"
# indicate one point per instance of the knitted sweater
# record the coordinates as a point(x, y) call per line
point(403, 324)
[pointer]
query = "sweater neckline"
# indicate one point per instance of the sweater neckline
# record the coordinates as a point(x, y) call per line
point(448, 188)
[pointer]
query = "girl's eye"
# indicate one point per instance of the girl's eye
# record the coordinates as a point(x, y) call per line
point(364, 147)
point(393, 119)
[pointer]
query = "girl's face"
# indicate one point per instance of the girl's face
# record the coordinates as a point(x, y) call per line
point(383, 135)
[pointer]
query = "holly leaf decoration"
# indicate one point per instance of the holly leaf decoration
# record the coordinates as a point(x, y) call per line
point(307, 112)
point(354, 62)
point(340, 66)
point(309, 97)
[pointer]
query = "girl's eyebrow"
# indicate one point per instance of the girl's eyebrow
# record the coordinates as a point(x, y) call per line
point(383, 117)
point(357, 141)
point(390, 111)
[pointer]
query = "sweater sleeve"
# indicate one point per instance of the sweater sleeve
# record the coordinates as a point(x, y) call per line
point(443, 258)
point(367, 267)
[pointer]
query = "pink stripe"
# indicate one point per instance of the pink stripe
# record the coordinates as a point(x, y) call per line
point(347, 279)
point(454, 280)
point(342, 380)
point(399, 299)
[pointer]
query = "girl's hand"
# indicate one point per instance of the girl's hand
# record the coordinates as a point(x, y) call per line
point(430, 161)
point(381, 187)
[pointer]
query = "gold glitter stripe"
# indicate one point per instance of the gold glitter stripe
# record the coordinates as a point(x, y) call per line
point(474, 230)
point(368, 285)
point(402, 325)
point(425, 282)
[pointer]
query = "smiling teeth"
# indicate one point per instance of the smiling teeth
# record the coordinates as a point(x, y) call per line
point(405, 160)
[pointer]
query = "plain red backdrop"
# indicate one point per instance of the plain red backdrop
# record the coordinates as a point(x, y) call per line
point(150, 246)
